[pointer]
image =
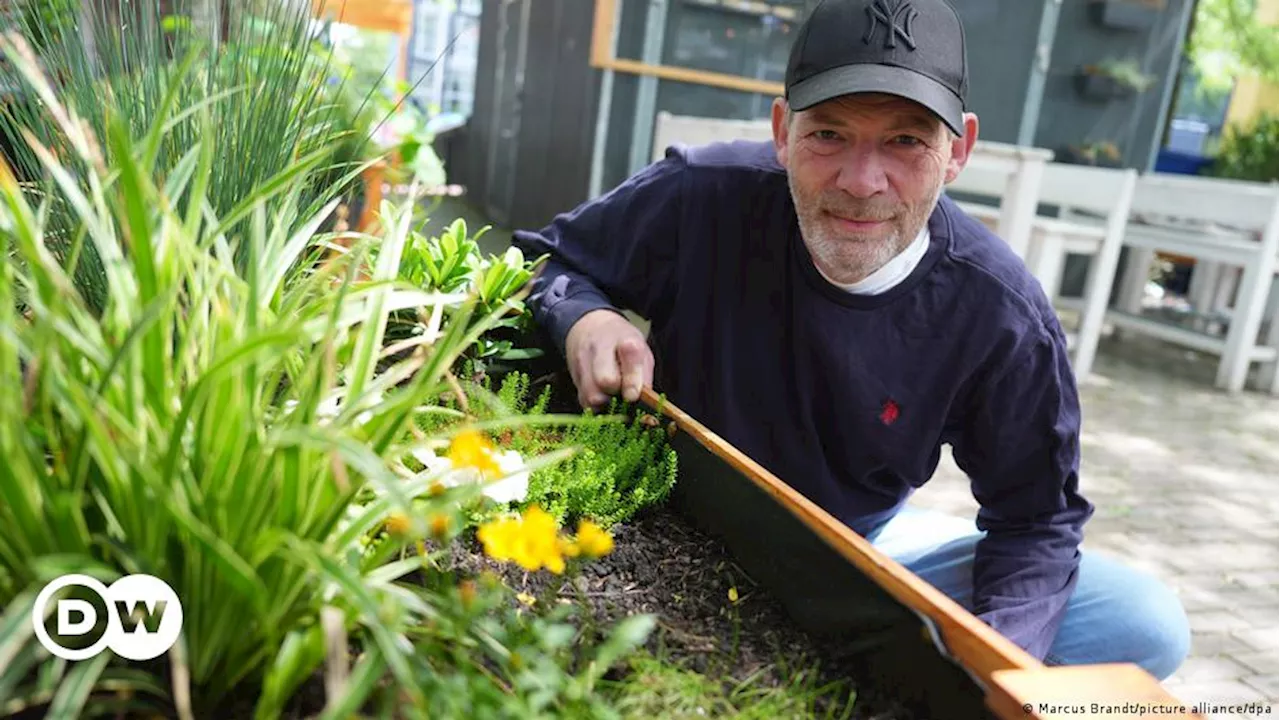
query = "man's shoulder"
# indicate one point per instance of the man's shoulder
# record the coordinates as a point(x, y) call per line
point(729, 159)
point(995, 275)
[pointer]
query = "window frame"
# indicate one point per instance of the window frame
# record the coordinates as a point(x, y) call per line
point(602, 56)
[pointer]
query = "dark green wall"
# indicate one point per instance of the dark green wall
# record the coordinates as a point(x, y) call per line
point(1134, 124)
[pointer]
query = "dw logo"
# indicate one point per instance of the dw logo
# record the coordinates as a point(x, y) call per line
point(143, 617)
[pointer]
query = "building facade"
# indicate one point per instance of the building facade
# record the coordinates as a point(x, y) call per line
point(571, 88)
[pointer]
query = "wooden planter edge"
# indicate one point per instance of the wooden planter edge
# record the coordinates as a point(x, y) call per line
point(1013, 679)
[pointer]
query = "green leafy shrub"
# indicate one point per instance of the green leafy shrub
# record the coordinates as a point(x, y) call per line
point(618, 465)
point(222, 427)
point(452, 262)
point(620, 469)
point(1251, 152)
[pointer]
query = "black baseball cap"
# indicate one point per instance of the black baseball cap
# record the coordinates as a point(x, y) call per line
point(911, 48)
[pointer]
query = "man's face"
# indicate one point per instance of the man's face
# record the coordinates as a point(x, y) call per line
point(865, 173)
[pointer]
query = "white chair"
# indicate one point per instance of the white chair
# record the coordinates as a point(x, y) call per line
point(1093, 205)
point(1216, 223)
point(1010, 175)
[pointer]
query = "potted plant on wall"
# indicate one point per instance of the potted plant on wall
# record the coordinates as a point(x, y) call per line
point(1112, 79)
point(1100, 154)
point(1126, 14)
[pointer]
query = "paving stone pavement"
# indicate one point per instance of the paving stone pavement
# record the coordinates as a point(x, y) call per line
point(1185, 480)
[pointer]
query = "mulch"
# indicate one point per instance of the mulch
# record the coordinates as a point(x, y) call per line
point(663, 565)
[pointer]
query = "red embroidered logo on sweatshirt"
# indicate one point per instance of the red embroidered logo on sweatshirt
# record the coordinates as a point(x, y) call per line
point(889, 412)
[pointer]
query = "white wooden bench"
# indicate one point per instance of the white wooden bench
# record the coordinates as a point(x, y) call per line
point(1217, 223)
point(1009, 176)
point(1092, 210)
point(1093, 205)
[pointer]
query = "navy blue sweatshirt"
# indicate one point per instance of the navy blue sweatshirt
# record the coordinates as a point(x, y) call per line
point(847, 398)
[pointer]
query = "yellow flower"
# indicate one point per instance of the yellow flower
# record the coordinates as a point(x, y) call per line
point(593, 540)
point(532, 541)
point(499, 538)
point(471, 449)
point(439, 526)
point(539, 544)
point(733, 594)
point(569, 548)
point(467, 593)
point(397, 523)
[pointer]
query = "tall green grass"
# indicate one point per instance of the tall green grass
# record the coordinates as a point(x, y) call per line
point(251, 64)
point(224, 426)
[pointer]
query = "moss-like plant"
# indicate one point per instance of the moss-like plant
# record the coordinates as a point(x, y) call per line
point(1126, 72)
point(621, 461)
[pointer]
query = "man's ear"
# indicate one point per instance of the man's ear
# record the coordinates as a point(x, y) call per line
point(961, 147)
point(780, 129)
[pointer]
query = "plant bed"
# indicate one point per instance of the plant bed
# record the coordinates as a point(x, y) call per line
point(712, 621)
point(1101, 88)
point(715, 618)
point(1112, 79)
point(1125, 14)
point(1103, 154)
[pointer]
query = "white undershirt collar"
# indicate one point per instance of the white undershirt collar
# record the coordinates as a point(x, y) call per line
point(892, 273)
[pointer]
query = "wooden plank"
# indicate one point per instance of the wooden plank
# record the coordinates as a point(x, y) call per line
point(602, 57)
point(507, 117)
point(602, 32)
point(1083, 691)
point(479, 131)
point(1016, 684)
point(394, 16)
point(973, 643)
point(687, 75)
point(1166, 331)
point(373, 177)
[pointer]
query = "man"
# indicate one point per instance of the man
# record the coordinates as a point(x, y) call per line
point(820, 304)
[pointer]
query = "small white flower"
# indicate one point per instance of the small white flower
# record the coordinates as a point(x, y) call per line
point(512, 487)
point(433, 462)
point(329, 408)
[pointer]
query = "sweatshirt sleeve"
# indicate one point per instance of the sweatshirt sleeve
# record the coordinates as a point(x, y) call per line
point(1021, 451)
point(615, 252)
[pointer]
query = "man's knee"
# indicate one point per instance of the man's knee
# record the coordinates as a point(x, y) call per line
point(1161, 636)
point(1124, 615)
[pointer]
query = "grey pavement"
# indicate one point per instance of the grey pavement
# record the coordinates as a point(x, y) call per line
point(1185, 479)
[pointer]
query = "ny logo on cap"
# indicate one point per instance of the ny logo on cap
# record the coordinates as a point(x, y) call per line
point(896, 16)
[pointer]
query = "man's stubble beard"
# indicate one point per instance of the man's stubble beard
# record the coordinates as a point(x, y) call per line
point(849, 259)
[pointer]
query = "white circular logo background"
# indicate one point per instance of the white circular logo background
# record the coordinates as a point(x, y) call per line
point(142, 592)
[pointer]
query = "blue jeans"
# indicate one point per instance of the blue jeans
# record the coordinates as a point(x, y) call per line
point(1116, 613)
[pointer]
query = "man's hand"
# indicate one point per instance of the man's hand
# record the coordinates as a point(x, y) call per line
point(607, 354)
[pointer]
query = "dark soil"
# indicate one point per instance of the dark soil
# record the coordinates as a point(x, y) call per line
point(664, 566)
